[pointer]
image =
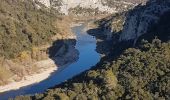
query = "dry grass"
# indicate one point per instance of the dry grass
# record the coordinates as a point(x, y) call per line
point(5, 74)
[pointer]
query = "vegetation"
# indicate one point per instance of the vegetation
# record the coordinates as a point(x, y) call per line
point(84, 11)
point(139, 73)
point(24, 25)
point(27, 29)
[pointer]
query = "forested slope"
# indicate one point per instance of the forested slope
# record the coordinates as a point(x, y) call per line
point(27, 30)
point(139, 73)
point(23, 25)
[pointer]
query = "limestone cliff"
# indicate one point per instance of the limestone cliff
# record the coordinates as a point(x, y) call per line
point(140, 20)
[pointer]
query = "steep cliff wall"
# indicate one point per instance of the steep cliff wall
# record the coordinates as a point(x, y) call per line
point(142, 18)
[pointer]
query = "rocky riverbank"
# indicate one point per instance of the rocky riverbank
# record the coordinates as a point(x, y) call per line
point(31, 79)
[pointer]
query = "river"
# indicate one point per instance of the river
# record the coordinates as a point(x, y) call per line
point(88, 57)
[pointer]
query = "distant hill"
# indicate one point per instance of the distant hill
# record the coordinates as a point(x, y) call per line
point(80, 7)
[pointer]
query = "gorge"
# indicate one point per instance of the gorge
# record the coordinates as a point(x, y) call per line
point(127, 55)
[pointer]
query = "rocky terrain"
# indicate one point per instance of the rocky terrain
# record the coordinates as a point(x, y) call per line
point(107, 6)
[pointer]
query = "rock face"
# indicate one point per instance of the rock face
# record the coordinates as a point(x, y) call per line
point(142, 18)
point(109, 6)
point(45, 2)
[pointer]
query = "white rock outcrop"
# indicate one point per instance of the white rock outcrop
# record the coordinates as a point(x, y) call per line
point(65, 5)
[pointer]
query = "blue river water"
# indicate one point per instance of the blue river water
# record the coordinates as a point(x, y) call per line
point(88, 57)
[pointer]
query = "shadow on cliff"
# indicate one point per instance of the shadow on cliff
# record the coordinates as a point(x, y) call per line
point(63, 52)
point(107, 39)
point(103, 46)
point(113, 47)
point(160, 30)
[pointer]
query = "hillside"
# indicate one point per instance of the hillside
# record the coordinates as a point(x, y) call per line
point(27, 30)
point(137, 62)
